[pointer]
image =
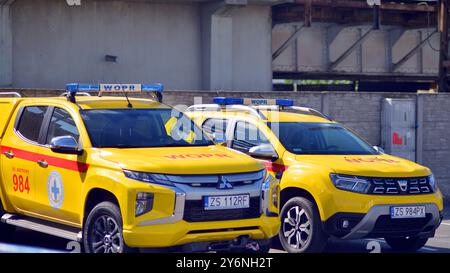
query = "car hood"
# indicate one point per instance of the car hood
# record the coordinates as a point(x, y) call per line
point(365, 165)
point(182, 160)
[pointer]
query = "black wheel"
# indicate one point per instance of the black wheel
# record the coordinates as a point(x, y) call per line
point(406, 243)
point(103, 230)
point(301, 227)
point(6, 231)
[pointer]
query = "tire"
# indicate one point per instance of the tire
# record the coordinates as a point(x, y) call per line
point(6, 231)
point(406, 244)
point(302, 234)
point(103, 231)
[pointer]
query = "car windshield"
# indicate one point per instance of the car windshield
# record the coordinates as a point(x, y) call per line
point(320, 138)
point(141, 128)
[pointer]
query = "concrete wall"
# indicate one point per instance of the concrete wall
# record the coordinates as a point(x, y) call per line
point(175, 42)
point(54, 44)
point(359, 111)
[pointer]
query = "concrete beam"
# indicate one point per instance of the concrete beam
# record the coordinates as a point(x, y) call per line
point(235, 44)
point(217, 40)
point(6, 53)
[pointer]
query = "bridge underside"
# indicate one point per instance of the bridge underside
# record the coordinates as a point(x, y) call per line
point(348, 39)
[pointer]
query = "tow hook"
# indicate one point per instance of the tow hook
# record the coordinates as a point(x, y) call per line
point(252, 246)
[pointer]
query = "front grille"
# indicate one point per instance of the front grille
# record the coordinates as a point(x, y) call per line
point(195, 212)
point(399, 186)
point(213, 181)
point(410, 226)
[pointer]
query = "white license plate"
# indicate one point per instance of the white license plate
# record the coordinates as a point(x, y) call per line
point(408, 212)
point(226, 202)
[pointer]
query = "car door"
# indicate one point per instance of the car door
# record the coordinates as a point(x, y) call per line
point(216, 129)
point(19, 156)
point(247, 136)
point(60, 176)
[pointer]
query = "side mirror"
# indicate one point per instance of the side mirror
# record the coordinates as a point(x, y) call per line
point(379, 149)
point(264, 151)
point(65, 145)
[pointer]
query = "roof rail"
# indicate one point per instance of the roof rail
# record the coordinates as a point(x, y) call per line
point(217, 107)
point(203, 107)
point(11, 94)
point(294, 109)
point(66, 94)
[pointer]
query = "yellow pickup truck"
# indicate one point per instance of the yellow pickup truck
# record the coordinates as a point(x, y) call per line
point(120, 174)
point(333, 183)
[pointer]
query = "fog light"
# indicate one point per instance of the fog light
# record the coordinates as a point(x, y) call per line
point(345, 224)
point(144, 202)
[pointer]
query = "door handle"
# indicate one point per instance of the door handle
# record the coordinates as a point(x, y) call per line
point(42, 163)
point(9, 154)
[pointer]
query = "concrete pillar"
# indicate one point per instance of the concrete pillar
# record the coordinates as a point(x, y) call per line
point(221, 62)
point(236, 46)
point(217, 40)
point(5, 43)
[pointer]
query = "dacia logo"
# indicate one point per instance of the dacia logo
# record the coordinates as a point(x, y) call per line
point(224, 184)
point(403, 184)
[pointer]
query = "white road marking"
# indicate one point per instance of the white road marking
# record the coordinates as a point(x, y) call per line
point(445, 224)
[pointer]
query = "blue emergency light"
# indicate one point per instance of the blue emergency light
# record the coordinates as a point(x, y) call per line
point(73, 88)
point(76, 87)
point(249, 101)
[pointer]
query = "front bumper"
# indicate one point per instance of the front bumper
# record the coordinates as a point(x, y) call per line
point(189, 223)
point(182, 232)
point(378, 224)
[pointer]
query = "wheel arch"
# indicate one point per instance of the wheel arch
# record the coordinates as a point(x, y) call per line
point(290, 192)
point(96, 196)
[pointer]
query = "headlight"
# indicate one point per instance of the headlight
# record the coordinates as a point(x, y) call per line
point(148, 177)
point(433, 183)
point(350, 183)
point(144, 202)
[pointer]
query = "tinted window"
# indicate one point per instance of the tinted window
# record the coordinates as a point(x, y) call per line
point(320, 138)
point(216, 128)
point(31, 121)
point(61, 124)
point(141, 128)
point(246, 136)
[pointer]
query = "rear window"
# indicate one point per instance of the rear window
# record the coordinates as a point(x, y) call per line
point(31, 121)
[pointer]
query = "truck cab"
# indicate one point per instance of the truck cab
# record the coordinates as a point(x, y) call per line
point(120, 174)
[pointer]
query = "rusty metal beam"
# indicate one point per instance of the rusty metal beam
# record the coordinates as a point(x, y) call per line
point(363, 5)
point(443, 52)
point(347, 16)
point(412, 52)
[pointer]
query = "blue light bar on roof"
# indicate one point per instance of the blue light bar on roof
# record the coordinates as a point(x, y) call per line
point(76, 87)
point(248, 101)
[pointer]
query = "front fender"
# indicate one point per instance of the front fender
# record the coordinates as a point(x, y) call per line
point(107, 180)
point(317, 183)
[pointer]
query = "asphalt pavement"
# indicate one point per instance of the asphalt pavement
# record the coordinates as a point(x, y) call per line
point(26, 241)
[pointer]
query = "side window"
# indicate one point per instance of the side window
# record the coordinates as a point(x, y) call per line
point(31, 121)
point(61, 124)
point(246, 136)
point(216, 128)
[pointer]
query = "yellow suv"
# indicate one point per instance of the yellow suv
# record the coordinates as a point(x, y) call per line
point(333, 183)
point(117, 173)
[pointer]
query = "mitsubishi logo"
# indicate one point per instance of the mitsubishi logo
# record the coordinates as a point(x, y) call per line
point(403, 184)
point(224, 184)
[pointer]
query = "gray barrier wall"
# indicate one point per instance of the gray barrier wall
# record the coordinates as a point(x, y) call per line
point(361, 112)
